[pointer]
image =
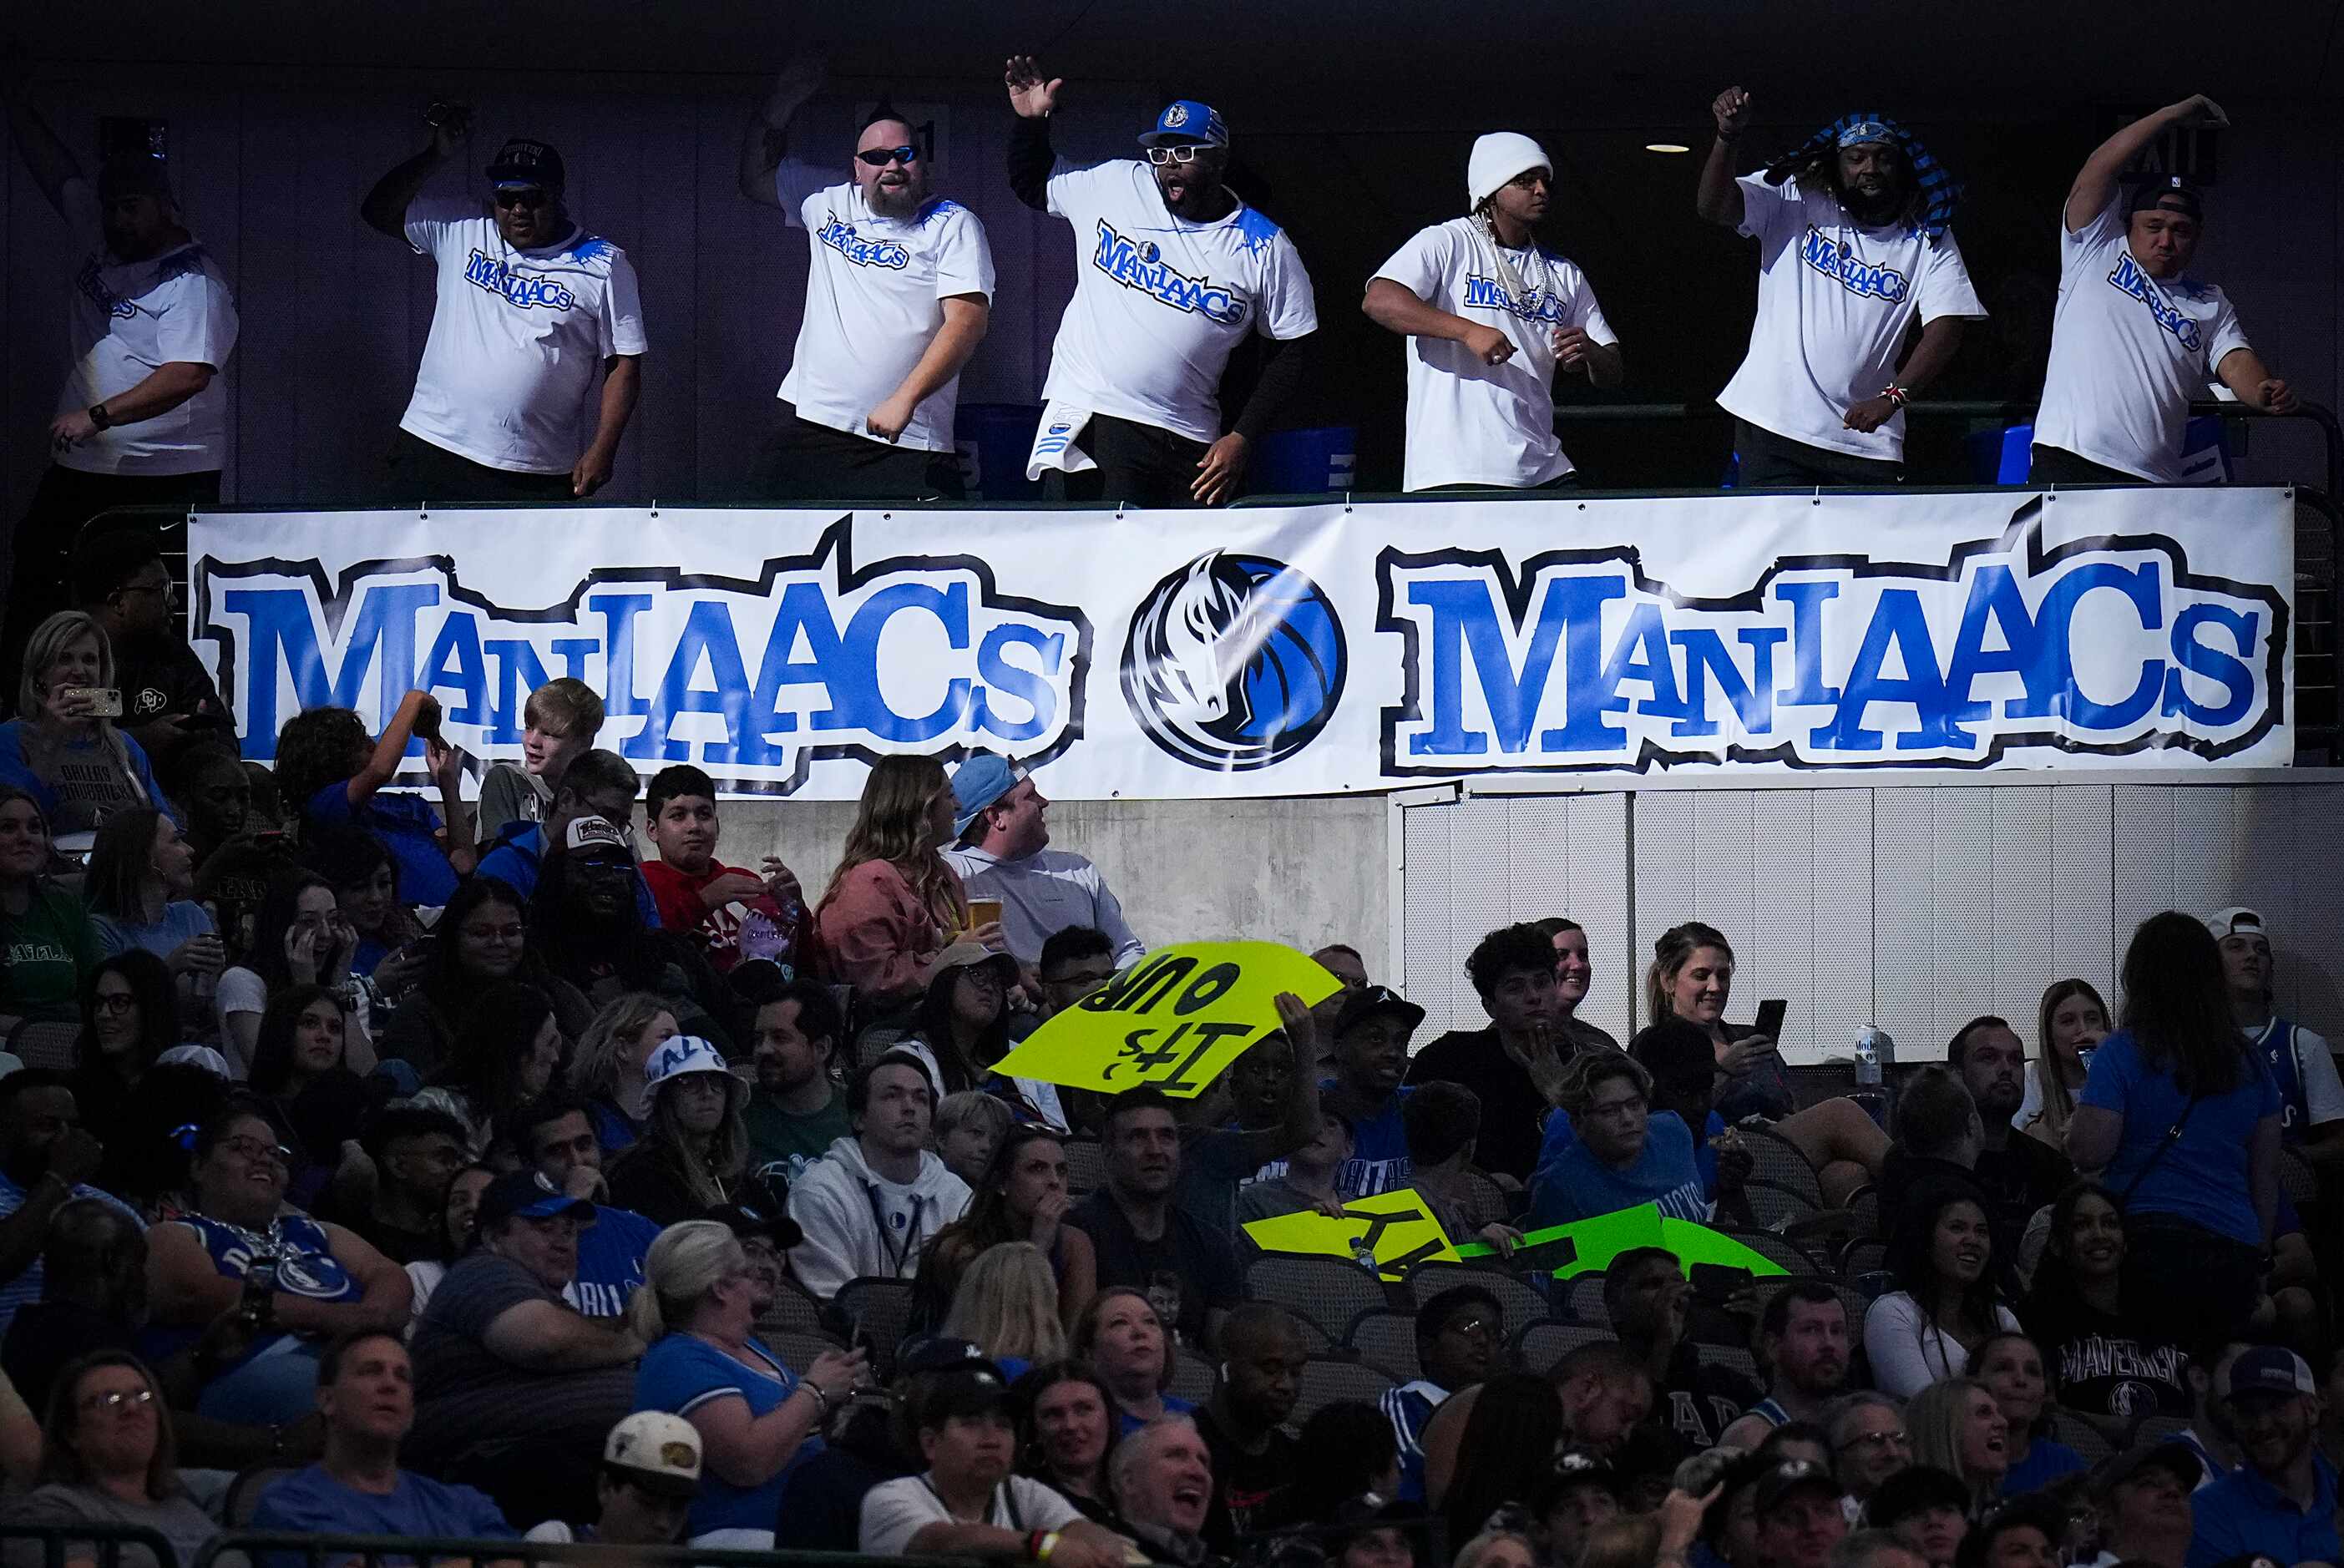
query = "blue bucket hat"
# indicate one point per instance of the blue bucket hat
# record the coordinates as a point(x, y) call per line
point(1184, 122)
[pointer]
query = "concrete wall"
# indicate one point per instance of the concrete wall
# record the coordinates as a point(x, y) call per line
point(1304, 872)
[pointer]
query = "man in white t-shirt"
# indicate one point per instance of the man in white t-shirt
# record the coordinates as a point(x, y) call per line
point(142, 419)
point(1173, 271)
point(1854, 246)
point(897, 298)
point(967, 1503)
point(529, 307)
point(2135, 338)
point(1490, 318)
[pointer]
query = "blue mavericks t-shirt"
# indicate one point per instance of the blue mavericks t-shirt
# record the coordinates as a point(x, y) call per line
point(1571, 1184)
point(406, 826)
point(312, 1502)
point(2202, 1179)
point(610, 1262)
point(1380, 1161)
point(680, 1374)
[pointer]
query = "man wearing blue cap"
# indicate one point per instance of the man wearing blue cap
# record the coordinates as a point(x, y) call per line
point(1173, 271)
point(1855, 245)
point(2135, 338)
point(2281, 1502)
point(1002, 852)
point(529, 304)
point(142, 419)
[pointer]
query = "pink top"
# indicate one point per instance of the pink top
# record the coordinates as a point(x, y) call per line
point(878, 935)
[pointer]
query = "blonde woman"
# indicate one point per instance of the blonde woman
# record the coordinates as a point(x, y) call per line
point(695, 1310)
point(73, 761)
point(1007, 1304)
point(894, 904)
point(1958, 1427)
point(607, 1071)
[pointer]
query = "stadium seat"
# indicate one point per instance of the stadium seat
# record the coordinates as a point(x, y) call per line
point(792, 1310)
point(1816, 1082)
point(1864, 1257)
point(1777, 1208)
point(49, 1043)
point(1580, 1299)
point(1780, 1162)
point(1326, 1378)
point(2151, 1429)
point(1386, 1340)
point(1521, 1301)
point(1864, 1204)
point(2296, 1177)
point(879, 1309)
point(1485, 1201)
point(1328, 1291)
point(1192, 1379)
point(797, 1347)
point(1086, 1167)
point(1732, 1358)
point(243, 1498)
point(1774, 1248)
point(1541, 1345)
point(2081, 1435)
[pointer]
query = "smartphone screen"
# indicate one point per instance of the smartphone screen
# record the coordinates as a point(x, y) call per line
point(1770, 1018)
point(1717, 1282)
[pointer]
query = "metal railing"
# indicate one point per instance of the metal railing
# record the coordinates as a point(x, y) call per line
point(57, 1544)
point(285, 1548)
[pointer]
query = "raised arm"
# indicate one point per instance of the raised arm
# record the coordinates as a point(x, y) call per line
point(1030, 157)
point(765, 141)
point(384, 206)
point(2095, 183)
point(383, 763)
point(51, 164)
point(1719, 199)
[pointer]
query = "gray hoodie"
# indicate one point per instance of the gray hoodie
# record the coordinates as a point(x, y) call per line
point(859, 1225)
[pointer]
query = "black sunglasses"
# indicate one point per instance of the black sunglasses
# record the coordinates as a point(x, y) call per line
point(880, 158)
point(527, 199)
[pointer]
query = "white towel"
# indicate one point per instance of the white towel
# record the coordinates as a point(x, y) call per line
point(1054, 441)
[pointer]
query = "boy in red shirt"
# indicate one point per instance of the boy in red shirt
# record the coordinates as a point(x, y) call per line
point(739, 914)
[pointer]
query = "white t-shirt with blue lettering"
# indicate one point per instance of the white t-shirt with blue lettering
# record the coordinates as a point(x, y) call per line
point(1160, 302)
point(1835, 302)
point(1471, 423)
point(2127, 353)
point(875, 301)
point(518, 338)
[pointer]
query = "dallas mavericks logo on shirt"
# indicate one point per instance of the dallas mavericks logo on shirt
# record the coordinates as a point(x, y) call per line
point(1141, 265)
point(91, 281)
point(1850, 271)
point(1488, 293)
point(2129, 277)
point(841, 237)
point(522, 289)
point(1233, 662)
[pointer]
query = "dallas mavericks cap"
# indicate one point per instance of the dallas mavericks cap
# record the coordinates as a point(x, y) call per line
point(1184, 122)
point(1372, 1002)
point(981, 779)
point(659, 1451)
point(523, 162)
point(2150, 194)
point(527, 1195)
point(2268, 1369)
point(2236, 921)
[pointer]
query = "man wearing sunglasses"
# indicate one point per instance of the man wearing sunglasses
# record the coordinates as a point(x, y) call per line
point(897, 298)
point(529, 304)
point(1173, 271)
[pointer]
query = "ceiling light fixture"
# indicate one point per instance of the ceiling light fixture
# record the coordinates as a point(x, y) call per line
point(1666, 147)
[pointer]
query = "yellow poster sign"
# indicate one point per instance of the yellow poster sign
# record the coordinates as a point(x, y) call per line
point(1396, 1228)
point(1174, 1021)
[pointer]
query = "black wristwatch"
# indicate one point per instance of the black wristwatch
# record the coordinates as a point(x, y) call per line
point(99, 416)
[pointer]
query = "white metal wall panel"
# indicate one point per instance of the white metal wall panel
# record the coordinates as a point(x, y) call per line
point(1777, 949)
point(2310, 979)
point(1961, 924)
point(1845, 920)
point(2026, 894)
point(1724, 893)
point(1663, 874)
point(2083, 891)
point(1428, 867)
point(2142, 824)
point(1903, 938)
point(1598, 829)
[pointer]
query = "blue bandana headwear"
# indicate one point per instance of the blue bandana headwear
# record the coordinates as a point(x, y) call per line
point(1939, 192)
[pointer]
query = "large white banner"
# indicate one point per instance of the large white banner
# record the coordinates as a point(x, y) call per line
point(1295, 651)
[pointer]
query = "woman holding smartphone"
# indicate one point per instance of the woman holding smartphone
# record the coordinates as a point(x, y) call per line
point(63, 750)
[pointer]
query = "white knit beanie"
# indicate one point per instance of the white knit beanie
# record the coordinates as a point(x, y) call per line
point(1499, 158)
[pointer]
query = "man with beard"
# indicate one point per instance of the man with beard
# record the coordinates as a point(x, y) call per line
point(1002, 850)
point(1854, 245)
point(1174, 270)
point(1243, 1424)
point(169, 698)
point(1803, 1336)
point(2281, 1502)
point(795, 1110)
point(2135, 338)
point(898, 297)
point(1491, 317)
point(1647, 1300)
point(1531, 989)
point(142, 419)
point(1145, 1241)
point(529, 304)
point(2018, 1175)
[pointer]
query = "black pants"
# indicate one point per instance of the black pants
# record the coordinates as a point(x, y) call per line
point(1770, 461)
point(2057, 465)
point(1138, 465)
point(419, 472)
point(807, 462)
point(2188, 1284)
point(38, 570)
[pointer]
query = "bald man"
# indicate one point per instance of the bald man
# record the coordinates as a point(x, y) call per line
point(897, 298)
point(1243, 1424)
